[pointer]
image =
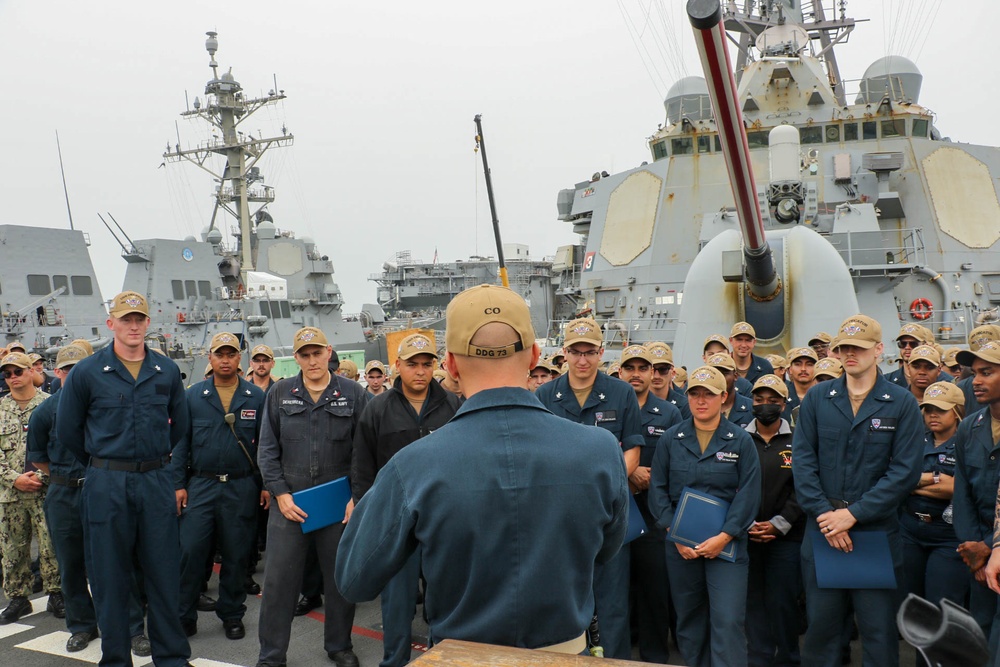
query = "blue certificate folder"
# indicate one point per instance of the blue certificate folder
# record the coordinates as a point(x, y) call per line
point(325, 504)
point(698, 517)
point(869, 565)
point(636, 524)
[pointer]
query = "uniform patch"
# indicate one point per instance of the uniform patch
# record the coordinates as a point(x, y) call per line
point(248, 414)
point(786, 458)
point(654, 430)
point(606, 416)
point(728, 457)
point(292, 401)
point(946, 459)
point(884, 424)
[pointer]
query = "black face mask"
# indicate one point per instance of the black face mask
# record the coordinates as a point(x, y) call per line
point(767, 413)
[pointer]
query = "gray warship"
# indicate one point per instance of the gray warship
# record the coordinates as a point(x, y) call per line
point(250, 277)
point(48, 304)
point(864, 205)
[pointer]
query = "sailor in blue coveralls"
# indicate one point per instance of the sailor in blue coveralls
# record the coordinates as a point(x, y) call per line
point(708, 453)
point(214, 468)
point(305, 440)
point(62, 515)
point(856, 456)
point(775, 547)
point(742, 340)
point(510, 505)
point(931, 563)
point(736, 407)
point(662, 385)
point(122, 410)
point(719, 344)
point(587, 396)
point(650, 587)
point(977, 469)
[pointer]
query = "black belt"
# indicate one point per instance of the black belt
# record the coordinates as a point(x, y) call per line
point(63, 480)
point(222, 476)
point(118, 465)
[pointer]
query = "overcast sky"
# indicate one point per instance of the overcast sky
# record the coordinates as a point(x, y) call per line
point(381, 98)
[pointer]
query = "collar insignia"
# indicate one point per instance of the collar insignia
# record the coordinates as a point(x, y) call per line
point(680, 434)
point(600, 396)
point(886, 396)
point(206, 392)
point(729, 435)
point(558, 394)
point(656, 409)
point(833, 392)
point(107, 368)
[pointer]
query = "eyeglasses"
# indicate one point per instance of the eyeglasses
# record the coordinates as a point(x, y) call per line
point(820, 346)
point(17, 372)
point(903, 344)
point(589, 354)
point(662, 369)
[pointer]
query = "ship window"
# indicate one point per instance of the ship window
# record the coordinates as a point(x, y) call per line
point(178, 287)
point(894, 128)
point(190, 289)
point(286, 311)
point(832, 134)
point(868, 130)
point(718, 144)
point(682, 146)
point(659, 150)
point(60, 282)
point(757, 139)
point(704, 144)
point(850, 131)
point(205, 289)
point(265, 309)
point(38, 284)
point(82, 286)
point(920, 127)
point(811, 135)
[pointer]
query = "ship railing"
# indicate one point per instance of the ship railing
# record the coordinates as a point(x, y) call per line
point(619, 332)
point(205, 316)
point(950, 327)
point(882, 253)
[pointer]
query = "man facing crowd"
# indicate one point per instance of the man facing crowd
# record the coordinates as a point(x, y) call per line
point(510, 505)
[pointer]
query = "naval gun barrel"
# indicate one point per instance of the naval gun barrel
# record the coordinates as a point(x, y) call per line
point(710, 38)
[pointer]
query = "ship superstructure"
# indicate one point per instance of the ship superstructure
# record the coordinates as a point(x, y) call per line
point(911, 215)
point(248, 277)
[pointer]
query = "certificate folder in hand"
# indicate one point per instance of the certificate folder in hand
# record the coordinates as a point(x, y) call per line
point(325, 504)
point(636, 524)
point(868, 565)
point(698, 517)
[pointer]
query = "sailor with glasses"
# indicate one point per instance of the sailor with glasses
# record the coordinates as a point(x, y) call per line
point(910, 337)
point(662, 385)
point(586, 396)
point(820, 344)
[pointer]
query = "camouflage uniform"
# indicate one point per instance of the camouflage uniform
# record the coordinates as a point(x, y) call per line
point(21, 513)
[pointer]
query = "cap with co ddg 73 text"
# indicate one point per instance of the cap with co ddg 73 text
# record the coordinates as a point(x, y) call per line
point(478, 306)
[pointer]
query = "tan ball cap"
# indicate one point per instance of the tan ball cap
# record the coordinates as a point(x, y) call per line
point(128, 302)
point(224, 339)
point(18, 359)
point(777, 361)
point(948, 358)
point(84, 344)
point(707, 377)
point(921, 333)
point(742, 328)
point(69, 355)
point(943, 395)
point(977, 337)
point(772, 382)
point(374, 365)
point(308, 336)
point(660, 353)
point(262, 349)
point(799, 352)
point(635, 352)
point(925, 353)
point(859, 331)
point(583, 330)
point(821, 337)
point(829, 366)
point(413, 345)
point(988, 352)
point(350, 367)
point(478, 306)
point(715, 338)
point(722, 360)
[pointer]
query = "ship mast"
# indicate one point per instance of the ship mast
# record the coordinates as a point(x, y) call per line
point(225, 108)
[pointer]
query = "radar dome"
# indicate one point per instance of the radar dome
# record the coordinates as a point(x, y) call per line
point(896, 76)
point(688, 98)
point(266, 230)
point(204, 233)
point(214, 237)
point(190, 239)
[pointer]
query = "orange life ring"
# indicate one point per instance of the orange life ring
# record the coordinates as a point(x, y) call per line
point(921, 309)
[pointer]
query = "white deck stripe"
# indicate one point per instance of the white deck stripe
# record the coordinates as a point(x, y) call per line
point(54, 643)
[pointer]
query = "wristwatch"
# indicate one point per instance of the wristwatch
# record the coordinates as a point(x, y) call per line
point(937, 477)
